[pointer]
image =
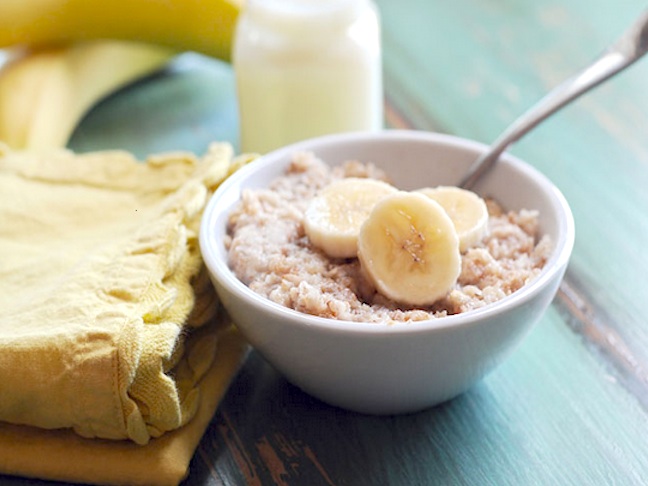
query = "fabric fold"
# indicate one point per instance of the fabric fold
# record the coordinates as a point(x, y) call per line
point(103, 291)
point(62, 455)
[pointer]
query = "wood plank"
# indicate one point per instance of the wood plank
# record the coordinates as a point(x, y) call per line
point(470, 68)
point(541, 418)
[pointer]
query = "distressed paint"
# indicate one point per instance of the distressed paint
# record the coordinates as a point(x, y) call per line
point(596, 151)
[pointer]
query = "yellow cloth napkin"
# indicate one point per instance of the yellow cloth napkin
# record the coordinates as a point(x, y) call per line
point(108, 324)
point(62, 455)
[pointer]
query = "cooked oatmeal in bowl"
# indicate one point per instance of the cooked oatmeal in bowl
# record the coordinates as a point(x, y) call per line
point(343, 333)
point(271, 253)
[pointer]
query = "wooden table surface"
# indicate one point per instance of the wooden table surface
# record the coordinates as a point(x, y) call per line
point(570, 407)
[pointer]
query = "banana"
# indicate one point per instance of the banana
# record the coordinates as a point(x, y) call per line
point(409, 249)
point(79, 51)
point(467, 211)
point(205, 26)
point(45, 93)
point(333, 218)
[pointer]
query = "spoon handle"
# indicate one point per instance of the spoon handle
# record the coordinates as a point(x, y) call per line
point(631, 46)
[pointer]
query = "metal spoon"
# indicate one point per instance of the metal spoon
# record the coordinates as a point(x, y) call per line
point(630, 47)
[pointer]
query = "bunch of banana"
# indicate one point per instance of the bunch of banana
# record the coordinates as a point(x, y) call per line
point(66, 55)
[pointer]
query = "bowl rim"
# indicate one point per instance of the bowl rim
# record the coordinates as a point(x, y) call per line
point(220, 270)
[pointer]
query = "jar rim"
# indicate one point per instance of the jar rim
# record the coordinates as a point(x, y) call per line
point(306, 13)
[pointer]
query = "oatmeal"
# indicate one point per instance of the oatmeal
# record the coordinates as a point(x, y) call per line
point(270, 252)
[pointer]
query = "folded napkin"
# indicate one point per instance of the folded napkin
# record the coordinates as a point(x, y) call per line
point(111, 351)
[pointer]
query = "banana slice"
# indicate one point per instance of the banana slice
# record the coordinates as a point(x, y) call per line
point(467, 211)
point(333, 218)
point(409, 249)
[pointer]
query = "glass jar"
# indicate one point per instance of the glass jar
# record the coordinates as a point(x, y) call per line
point(306, 68)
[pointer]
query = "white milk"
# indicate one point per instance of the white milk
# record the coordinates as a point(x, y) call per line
point(306, 68)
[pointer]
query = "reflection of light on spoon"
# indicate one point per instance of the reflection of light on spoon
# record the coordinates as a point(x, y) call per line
point(607, 64)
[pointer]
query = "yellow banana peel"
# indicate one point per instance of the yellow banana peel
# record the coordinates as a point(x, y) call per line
point(76, 52)
point(45, 93)
point(204, 26)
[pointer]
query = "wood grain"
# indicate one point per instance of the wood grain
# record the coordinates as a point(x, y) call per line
point(595, 151)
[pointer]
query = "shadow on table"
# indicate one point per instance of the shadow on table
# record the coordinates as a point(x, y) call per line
point(267, 431)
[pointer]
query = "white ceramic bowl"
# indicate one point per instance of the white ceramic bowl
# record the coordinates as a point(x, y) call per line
point(384, 369)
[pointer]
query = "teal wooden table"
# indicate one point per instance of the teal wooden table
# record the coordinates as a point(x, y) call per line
point(570, 407)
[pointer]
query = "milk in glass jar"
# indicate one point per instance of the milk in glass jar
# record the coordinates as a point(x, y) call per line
point(306, 68)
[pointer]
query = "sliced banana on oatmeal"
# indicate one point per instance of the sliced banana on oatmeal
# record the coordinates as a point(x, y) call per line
point(466, 209)
point(333, 218)
point(409, 248)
